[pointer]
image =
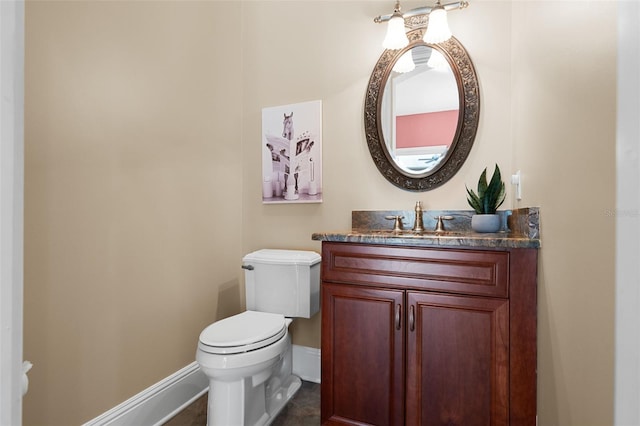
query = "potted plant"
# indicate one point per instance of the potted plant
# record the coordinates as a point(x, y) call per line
point(490, 196)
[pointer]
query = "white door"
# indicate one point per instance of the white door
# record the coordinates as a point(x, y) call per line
point(11, 208)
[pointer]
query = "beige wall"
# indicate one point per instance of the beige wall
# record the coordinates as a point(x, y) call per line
point(564, 105)
point(143, 176)
point(133, 196)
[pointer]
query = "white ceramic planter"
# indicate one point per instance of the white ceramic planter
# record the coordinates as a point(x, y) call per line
point(485, 222)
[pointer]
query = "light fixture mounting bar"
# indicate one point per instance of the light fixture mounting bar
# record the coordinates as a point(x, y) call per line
point(423, 11)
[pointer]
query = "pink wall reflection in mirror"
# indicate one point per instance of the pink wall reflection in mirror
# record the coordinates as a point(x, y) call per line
point(426, 129)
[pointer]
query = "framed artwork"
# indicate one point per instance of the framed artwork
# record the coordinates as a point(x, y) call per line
point(292, 153)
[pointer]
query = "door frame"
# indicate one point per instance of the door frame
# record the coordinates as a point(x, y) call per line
point(11, 208)
point(627, 217)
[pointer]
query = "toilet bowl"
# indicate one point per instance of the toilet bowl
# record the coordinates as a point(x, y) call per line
point(248, 357)
point(249, 372)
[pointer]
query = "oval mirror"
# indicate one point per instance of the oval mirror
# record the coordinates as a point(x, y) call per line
point(421, 112)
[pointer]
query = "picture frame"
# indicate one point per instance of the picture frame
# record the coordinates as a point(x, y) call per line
point(292, 153)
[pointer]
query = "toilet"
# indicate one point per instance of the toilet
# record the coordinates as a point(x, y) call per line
point(248, 357)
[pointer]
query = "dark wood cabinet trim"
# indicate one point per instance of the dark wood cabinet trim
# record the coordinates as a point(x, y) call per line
point(523, 337)
point(478, 272)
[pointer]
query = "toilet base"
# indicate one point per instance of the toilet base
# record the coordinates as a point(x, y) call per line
point(262, 403)
point(257, 399)
point(277, 401)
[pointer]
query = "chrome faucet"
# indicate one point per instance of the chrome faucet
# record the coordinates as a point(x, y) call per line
point(418, 225)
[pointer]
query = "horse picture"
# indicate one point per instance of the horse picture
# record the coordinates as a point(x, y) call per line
point(292, 159)
point(287, 126)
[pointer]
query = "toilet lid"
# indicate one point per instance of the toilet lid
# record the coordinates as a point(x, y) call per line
point(244, 332)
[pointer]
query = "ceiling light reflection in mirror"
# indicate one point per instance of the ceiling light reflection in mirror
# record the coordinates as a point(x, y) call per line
point(420, 110)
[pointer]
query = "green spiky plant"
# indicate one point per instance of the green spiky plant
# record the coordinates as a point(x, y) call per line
point(490, 195)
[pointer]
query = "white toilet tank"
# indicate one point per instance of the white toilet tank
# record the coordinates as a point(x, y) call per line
point(283, 282)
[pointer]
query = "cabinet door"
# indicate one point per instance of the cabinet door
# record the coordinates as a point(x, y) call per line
point(362, 355)
point(457, 360)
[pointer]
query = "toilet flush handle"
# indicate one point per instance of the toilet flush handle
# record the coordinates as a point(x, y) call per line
point(248, 267)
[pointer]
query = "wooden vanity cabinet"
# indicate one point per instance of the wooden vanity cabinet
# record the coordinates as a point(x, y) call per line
point(428, 336)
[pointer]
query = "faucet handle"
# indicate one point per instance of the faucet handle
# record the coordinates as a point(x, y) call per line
point(440, 223)
point(397, 224)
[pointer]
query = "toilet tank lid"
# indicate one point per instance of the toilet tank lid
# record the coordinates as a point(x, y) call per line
point(288, 257)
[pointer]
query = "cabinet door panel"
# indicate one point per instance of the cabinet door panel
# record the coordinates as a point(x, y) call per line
point(362, 356)
point(457, 360)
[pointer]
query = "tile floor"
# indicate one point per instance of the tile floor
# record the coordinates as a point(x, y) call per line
point(302, 410)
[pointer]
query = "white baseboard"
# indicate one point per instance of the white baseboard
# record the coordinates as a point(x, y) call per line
point(306, 363)
point(159, 403)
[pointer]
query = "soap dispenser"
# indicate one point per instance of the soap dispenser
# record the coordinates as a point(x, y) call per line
point(418, 226)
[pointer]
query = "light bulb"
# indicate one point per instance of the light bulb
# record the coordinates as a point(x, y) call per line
point(396, 37)
point(438, 29)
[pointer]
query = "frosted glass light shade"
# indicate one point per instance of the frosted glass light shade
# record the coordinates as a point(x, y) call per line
point(405, 63)
point(438, 29)
point(396, 37)
point(437, 61)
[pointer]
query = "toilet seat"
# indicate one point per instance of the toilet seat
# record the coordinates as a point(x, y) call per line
point(244, 332)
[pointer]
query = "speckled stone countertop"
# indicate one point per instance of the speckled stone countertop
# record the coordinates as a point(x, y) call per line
point(520, 229)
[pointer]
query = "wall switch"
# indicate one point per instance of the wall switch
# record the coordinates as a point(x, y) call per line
point(516, 180)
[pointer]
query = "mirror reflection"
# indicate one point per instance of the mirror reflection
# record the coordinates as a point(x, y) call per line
point(405, 87)
point(420, 110)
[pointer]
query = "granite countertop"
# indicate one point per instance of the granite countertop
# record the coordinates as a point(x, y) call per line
point(520, 229)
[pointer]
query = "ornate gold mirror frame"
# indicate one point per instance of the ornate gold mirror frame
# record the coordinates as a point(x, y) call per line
point(468, 117)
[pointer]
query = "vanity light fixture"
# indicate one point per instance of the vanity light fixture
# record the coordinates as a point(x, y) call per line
point(396, 37)
point(437, 27)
